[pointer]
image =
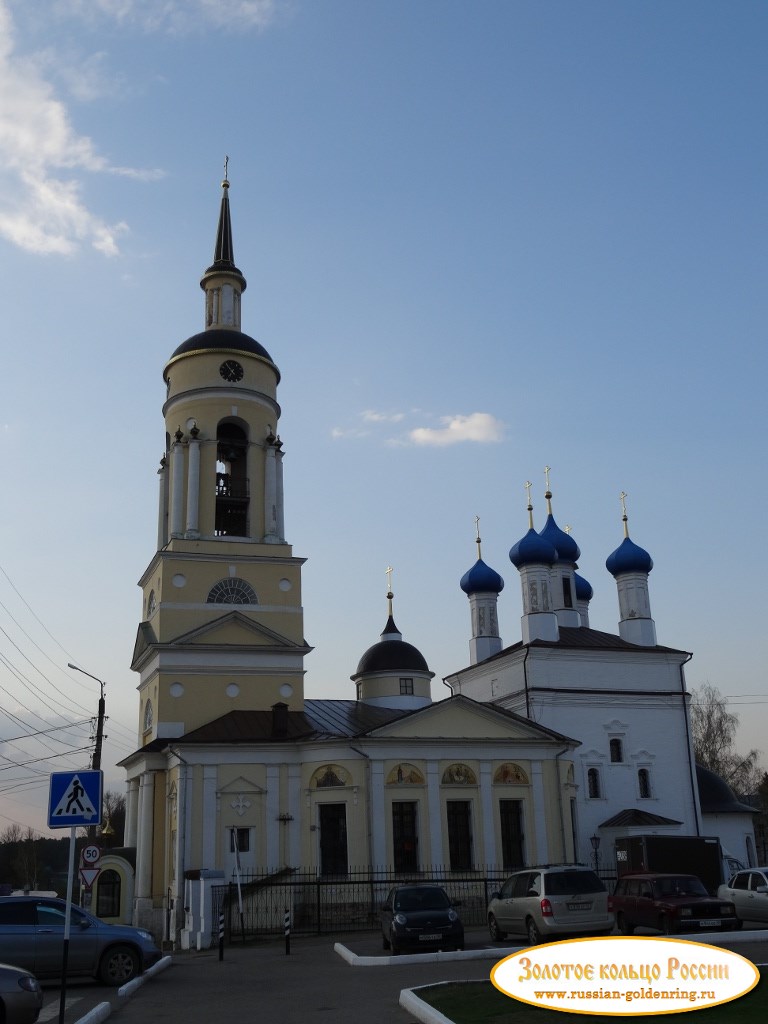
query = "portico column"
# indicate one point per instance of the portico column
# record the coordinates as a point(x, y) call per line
point(279, 502)
point(435, 815)
point(146, 835)
point(294, 809)
point(540, 819)
point(177, 488)
point(193, 489)
point(131, 812)
point(378, 823)
point(270, 495)
point(209, 820)
point(162, 505)
point(272, 825)
point(486, 801)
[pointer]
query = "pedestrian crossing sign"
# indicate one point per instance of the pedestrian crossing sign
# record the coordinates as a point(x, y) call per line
point(75, 799)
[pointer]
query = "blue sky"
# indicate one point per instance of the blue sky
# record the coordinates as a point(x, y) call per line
point(480, 238)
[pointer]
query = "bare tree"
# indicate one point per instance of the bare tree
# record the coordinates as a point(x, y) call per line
point(12, 834)
point(714, 736)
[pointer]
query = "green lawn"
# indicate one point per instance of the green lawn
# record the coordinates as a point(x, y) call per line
point(479, 1002)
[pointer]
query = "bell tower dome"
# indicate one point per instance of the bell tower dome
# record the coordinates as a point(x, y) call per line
point(222, 624)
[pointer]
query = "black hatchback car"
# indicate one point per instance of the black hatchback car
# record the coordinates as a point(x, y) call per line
point(420, 917)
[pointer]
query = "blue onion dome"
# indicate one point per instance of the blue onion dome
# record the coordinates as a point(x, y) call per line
point(628, 557)
point(566, 547)
point(532, 549)
point(584, 591)
point(481, 579)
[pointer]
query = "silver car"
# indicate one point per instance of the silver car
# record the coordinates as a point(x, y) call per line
point(21, 997)
point(748, 890)
point(32, 937)
point(545, 903)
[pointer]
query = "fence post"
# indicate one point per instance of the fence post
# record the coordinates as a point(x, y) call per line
point(287, 930)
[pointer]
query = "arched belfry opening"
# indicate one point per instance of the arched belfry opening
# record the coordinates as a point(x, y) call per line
point(232, 486)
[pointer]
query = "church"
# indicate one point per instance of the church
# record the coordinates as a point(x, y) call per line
point(546, 751)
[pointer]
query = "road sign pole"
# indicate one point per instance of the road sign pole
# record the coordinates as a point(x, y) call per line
point(67, 921)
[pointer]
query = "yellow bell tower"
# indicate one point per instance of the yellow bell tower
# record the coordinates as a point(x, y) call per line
point(222, 624)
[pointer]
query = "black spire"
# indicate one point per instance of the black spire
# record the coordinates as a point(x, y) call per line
point(223, 253)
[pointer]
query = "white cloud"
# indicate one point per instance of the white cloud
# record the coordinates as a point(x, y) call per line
point(338, 432)
point(371, 416)
point(478, 426)
point(176, 16)
point(41, 205)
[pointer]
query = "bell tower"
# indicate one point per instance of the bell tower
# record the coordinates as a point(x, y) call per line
point(222, 624)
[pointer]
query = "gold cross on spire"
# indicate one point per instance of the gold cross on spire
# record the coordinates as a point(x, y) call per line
point(528, 486)
point(477, 538)
point(623, 499)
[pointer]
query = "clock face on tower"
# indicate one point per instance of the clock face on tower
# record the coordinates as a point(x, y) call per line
point(231, 371)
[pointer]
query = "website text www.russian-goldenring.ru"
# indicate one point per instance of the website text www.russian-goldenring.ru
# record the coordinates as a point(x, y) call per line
point(628, 997)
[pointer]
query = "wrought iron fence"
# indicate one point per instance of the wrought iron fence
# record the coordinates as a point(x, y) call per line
point(350, 902)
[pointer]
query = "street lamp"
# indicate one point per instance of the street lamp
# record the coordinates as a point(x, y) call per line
point(96, 759)
point(595, 840)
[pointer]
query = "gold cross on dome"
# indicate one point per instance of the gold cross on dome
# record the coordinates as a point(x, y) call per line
point(388, 573)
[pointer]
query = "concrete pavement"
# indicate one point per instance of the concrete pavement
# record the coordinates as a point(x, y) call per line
point(260, 983)
point(313, 983)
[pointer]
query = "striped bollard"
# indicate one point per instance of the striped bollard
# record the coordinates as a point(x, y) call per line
point(287, 930)
point(221, 935)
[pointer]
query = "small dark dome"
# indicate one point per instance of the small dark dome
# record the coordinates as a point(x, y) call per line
point(716, 795)
point(222, 338)
point(628, 557)
point(532, 549)
point(391, 656)
point(481, 579)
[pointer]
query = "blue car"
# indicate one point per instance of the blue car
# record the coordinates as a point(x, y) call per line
point(32, 937)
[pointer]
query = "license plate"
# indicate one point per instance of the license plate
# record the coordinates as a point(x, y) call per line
point(579, 906)
point(430, 936)
point(710, 922)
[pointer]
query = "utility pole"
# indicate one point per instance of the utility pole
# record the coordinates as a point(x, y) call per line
point(96, 757)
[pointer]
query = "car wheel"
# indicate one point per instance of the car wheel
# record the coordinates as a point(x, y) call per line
point(623, 925)
point(534, 935)
point(493, 927)
point(666, 925)
point(119, 965)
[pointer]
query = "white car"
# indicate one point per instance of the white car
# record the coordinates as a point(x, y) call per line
point(748, 891)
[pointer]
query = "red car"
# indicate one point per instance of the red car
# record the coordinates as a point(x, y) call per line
point(670, 903)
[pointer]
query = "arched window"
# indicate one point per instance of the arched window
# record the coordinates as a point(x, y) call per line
point(617, 752)
point(593, 783)
point(108, 894)
point(232, 491)
point(232, 591)
point(151, 604)
point(644, 783)
point(149, 716)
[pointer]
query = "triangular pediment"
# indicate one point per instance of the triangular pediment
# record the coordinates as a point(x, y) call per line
point(145, 638)
point(233, 629)
point(469, 719)
point(241, 785)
